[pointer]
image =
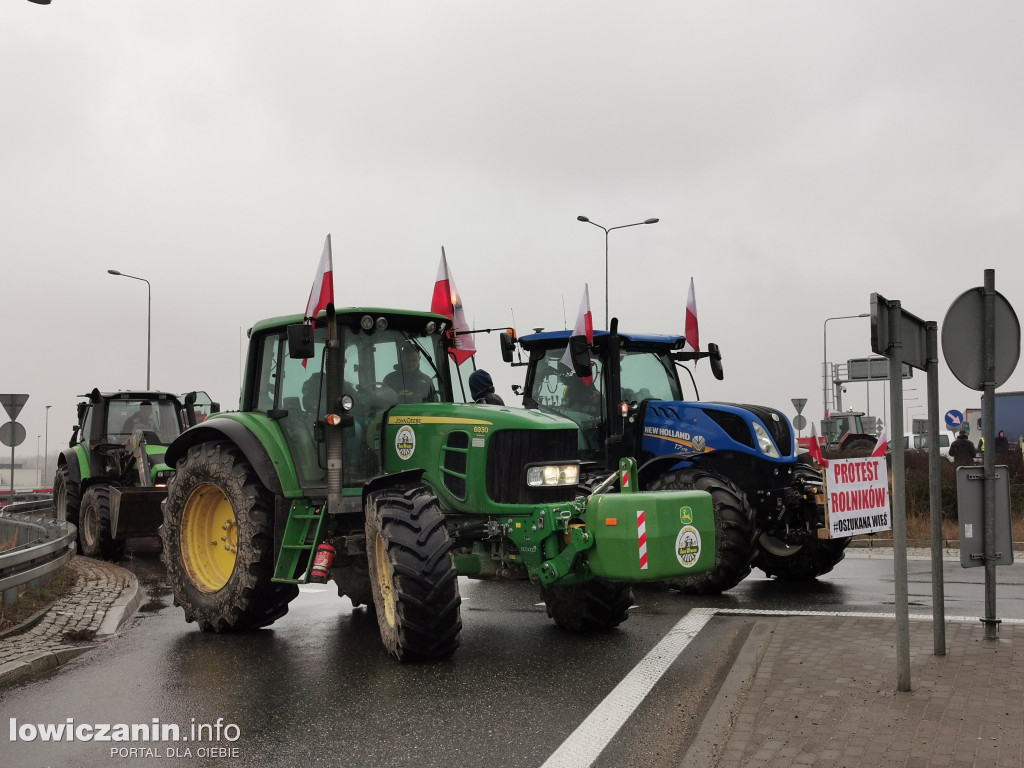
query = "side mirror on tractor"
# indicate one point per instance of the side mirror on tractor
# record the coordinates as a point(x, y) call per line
point(300, 341)
point(508, 345)
point(715, 356)
point(579, 352)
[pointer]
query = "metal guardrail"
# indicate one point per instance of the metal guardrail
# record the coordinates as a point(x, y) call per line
point(38, 545)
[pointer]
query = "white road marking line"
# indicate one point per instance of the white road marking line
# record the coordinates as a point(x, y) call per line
point(584, 744)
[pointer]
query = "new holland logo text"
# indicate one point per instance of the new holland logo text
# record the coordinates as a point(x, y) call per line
point(405, 443)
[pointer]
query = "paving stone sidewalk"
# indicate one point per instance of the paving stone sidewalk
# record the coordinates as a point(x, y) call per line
point(821, 691)
point(104, 597)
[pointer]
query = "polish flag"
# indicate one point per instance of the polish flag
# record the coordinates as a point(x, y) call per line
point(692, 335)
point(447, 301)
point(584, 327)
point(883, 443)
point(322, 292)
point(815, 448)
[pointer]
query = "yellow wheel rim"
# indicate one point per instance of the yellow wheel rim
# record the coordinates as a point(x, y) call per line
point(209, 538)
point(387, 588)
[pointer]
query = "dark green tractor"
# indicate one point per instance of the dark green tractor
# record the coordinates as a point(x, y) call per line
point(349, 440)
point(112, 477)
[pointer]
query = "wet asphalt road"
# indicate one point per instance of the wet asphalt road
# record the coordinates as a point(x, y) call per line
point(318, 689)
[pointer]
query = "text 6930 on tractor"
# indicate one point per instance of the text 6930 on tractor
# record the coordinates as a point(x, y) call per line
point(350, 460)
point(769, 505)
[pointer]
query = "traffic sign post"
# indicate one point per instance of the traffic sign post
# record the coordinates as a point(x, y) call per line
point(800, 421)
point(907, 339)
point(981, 344)
point(13, 405)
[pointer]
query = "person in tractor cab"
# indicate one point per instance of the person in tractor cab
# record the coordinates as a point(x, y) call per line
point(141, 419)
point(481, 387)
point(411, 383)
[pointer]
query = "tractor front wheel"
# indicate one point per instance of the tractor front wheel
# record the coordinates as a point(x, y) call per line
point(590, 606)
point(94, 537)
point(734, 530)
point(412, 574)
point(218, 543)
point(67, 496)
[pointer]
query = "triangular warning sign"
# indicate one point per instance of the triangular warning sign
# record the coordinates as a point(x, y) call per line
point(13, 404)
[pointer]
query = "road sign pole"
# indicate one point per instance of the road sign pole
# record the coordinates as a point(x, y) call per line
point(935, 492)
point(988, 432)
point(899, 510)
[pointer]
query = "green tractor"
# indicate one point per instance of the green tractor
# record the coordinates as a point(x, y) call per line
point(349, 459)
point(112, 477)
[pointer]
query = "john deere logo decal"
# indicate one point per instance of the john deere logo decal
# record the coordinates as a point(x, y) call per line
point(686, 516)
point(688, 546)
point(405, 443)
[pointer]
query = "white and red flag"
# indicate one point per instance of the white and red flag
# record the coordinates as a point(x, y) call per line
point(814, 448)
point(447, 301)
point(692, 334)
point(584, 327)
point(883, 443)
point(322, 292)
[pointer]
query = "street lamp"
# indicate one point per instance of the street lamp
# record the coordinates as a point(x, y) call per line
point(824, 357)
point(46, 443)
point(606, 231)
point(149, 314)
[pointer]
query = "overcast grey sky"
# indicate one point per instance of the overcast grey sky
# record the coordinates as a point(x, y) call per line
point(800, 156)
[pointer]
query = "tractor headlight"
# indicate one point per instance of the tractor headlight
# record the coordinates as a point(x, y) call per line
point(553, 474)
point(765, 443)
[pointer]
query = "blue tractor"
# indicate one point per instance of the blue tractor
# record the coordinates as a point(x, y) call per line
point(625, 393)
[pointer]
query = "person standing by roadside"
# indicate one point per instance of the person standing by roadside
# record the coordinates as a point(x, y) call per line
point(962, 450)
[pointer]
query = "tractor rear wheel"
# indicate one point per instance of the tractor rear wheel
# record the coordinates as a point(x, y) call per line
point(800, 562)
point(589, 607)
point(67, 496)
point(218, 542)
point(94, 537)
point(412, 574)
point(734, 530)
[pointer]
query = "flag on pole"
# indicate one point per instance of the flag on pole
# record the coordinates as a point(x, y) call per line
point(814, 448)
point(584, 327)
point(692, 334)
point(322, 292)
point(447, 301)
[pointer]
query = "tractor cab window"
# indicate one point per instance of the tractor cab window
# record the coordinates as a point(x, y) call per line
point(158, 420)
point(557, 389)
point(647, 376)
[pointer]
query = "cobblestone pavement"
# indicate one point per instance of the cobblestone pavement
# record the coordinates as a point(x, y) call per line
point(822, 691)
point(104, 597)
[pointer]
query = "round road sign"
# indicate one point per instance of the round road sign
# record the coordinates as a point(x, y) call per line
point(963, 338)
point(12, 434)
point(800, 421)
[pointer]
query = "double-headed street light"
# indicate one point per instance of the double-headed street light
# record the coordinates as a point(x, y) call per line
point(824, 357)
point(149, 315)
point(606, 231)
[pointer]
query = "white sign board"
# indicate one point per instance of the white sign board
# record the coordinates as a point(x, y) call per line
point(857, 496)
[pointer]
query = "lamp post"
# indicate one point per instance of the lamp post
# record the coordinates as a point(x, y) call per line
point(46, 443)
point(824, 357)
point(606, 231)
point(149, 314)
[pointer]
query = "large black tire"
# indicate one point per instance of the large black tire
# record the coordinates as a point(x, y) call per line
point(412, 574)
point(218, 542)
point(589, 607)
point(734, 530)
point(67, 496)
point(802, 562)
point(94, 539)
